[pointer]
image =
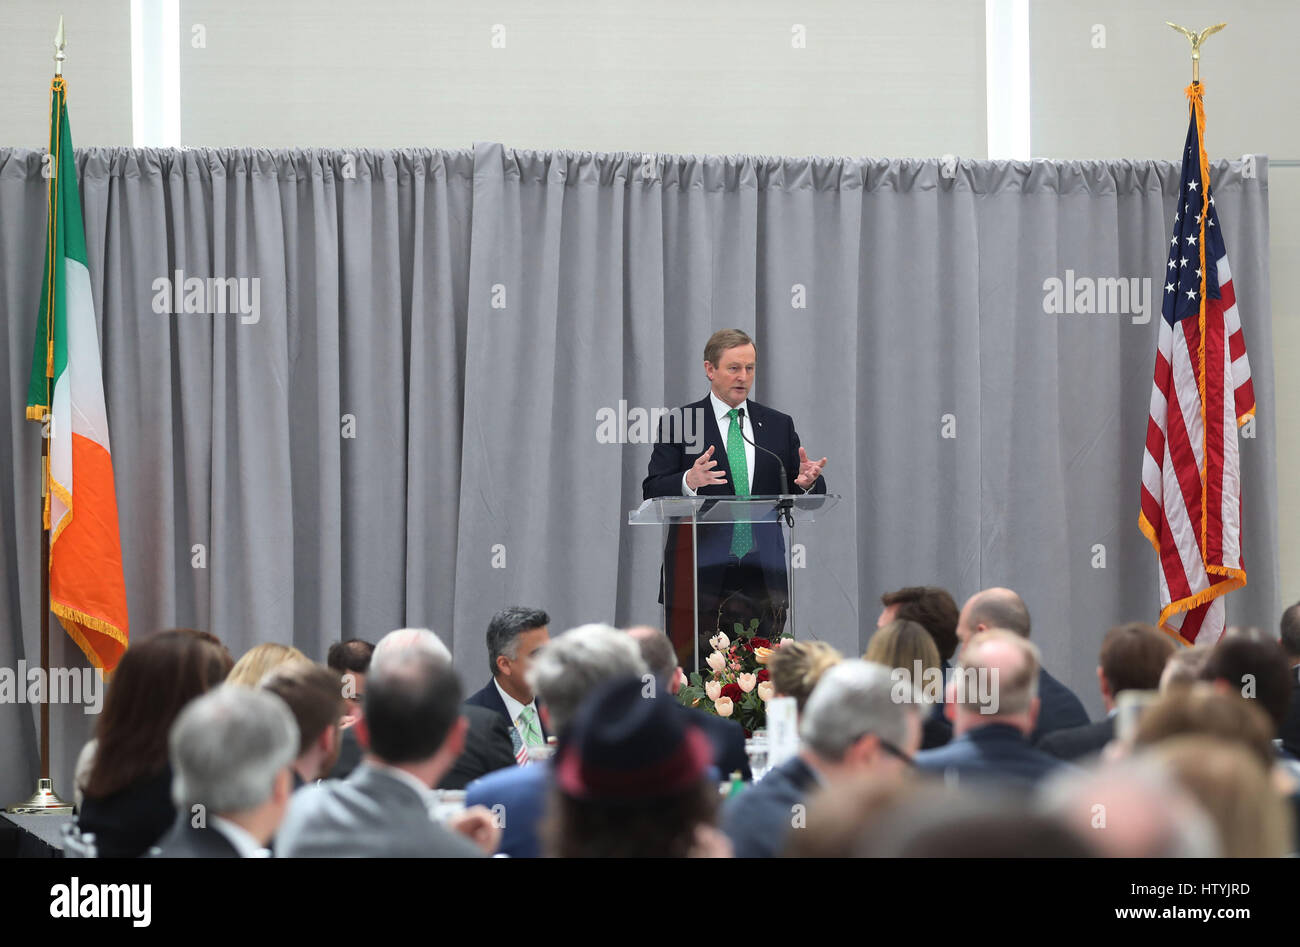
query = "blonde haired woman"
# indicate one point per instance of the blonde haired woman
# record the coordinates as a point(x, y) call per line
point(907, 646)
point(257, 660)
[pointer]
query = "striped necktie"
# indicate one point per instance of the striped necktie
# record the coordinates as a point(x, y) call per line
point(528, 721)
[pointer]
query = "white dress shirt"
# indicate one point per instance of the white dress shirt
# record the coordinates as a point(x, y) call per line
point(514, 709)
point(244, 844)
point(720, 409)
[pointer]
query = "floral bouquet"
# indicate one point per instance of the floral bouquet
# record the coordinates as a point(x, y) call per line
point(737, 685)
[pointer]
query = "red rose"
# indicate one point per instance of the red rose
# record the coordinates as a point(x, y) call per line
point(759, 643)
point(733, 691)
point(764, 675)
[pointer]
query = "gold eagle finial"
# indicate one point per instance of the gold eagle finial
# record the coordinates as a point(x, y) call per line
point(1196, 39)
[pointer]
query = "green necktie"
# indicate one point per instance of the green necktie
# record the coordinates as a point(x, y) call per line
point(532, 735)
point(742, 535)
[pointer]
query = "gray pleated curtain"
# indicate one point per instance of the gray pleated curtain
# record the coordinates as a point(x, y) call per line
point(410, 432)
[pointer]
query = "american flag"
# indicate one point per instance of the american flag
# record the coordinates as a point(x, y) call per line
point(1191, 478)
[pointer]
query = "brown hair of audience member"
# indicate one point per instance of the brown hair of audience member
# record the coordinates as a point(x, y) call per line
point(1133, 656)
point(1255, 667)
point(902, 644)
point(797, 666)
point(1200, 710)
point(930, 607)
point(259, 659)
point(153, 682)
point(1236, 792)
point(1184, 667)
point(350, 655)
point(660, 827)
point(314, 695)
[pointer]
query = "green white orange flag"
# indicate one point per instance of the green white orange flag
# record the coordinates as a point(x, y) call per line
point(87, 590)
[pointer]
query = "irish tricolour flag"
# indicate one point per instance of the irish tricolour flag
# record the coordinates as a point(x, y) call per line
point(66, 393)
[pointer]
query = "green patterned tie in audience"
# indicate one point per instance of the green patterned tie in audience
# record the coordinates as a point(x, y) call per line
point(532, 734)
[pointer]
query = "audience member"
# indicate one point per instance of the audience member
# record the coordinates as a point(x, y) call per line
point(259, 659)
point(905, 646)
point(1255, 668)
point(1200, 710)
point(571, 667)
point(1289, 732)
point(126, 801)
point(1133, 657)
point(930, 607)
point(1184, 667)
point(1130, 808)
point(632, 779)
point(797, 666)
point(993, 704)
point(232, 752)
point(727, 736)
point(314, 694)
point(1003, 608)
point(416, 732)
point(514, 637)
point(351, 659)
point(1237, 792)
point(851, 725)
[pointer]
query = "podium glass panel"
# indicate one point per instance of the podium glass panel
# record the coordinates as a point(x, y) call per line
point(714, 578)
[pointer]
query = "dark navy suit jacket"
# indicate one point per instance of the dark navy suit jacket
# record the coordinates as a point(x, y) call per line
point(758, 820)
point(994, 753)
point(490, 698)
point(183, 840)
point(772, 430)
point(1058, 709)
point(1076, 743)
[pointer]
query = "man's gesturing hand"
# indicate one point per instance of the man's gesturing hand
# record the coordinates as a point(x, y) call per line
point(809, 470)
point(702, 473)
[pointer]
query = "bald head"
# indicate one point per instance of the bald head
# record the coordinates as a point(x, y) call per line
point(993, 608)
point(996, 682)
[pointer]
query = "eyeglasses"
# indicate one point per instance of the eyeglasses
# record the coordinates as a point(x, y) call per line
point(888, 747)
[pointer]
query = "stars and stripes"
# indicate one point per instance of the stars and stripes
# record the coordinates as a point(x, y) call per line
point(1191, 481)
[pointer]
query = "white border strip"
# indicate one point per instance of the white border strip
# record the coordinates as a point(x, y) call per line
point(155, 73)
point(1006, 41)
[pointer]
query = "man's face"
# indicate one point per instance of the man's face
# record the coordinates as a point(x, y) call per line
point(887, 614)
point(733, 376)
point(354, 695)
point(516, 671)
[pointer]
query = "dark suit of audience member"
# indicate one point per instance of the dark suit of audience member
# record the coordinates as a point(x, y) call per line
point(488, 748)
point(490, 698)
point(126, 823)
point(728, 739)
point(1078, 743)
point(350, 753)
point(186, 841)
point(1059, 708)
point(935, 729)
point(758, 820)
point(995, 752)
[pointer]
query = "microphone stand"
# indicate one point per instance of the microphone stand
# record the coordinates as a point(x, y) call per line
point(785, 505)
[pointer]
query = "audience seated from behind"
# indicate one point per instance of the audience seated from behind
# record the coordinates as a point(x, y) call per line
point(260, 659)
point(127, 803)
point(727, 736)
point(930, 607)
point(412, 712)
point(314, 694)
point(351, 659)
point(1059, 708)
point(797, 666)
point(562, 676)
point(632, 780)
point(851, 725)
point(1133, 658)
point(232, 754)
point(993, 704)
point(906, 648)
point(1289, 733)
point(1254, 667)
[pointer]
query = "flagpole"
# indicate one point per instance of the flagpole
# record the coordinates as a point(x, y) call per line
point(1196, 39)
point(45, 801)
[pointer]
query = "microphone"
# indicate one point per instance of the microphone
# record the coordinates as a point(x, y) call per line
point(785, 505)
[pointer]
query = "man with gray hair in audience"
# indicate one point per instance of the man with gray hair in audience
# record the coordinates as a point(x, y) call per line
point(569, 668)
point(383, 809)
point(852, 724)
point(993, 704)
point(231, 753)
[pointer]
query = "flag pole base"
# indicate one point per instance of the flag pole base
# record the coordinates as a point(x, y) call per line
point(45, 801)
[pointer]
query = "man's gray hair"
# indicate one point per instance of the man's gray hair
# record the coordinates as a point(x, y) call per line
point(396, 646)
point(572, 665)
point(228, 746)
point(853, 698)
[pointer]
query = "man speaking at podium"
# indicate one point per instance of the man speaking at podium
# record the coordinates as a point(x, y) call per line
point(747, 449)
